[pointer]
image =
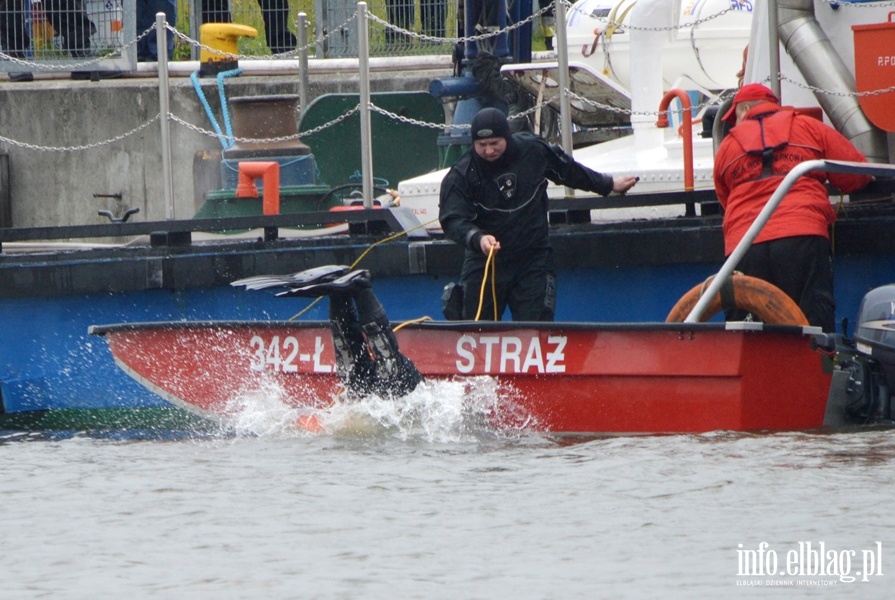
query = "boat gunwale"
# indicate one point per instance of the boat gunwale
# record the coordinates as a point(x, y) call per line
point(496, 326)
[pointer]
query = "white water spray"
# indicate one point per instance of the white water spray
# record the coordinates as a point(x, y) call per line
point(436, 411)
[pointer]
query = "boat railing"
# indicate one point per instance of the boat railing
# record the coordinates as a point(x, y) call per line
point(829, 166)
point(178, 232)
point(394, 219)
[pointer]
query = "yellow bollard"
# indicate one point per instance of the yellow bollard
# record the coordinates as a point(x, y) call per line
point(218, 43)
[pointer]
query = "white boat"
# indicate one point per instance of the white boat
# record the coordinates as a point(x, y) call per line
point(666, 44)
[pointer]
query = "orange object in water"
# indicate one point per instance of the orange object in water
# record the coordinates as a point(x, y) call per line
point(875, 70)
point(309, 423)
point(269, 173)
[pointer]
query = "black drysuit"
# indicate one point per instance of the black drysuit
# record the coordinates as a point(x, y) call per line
point(507, 198)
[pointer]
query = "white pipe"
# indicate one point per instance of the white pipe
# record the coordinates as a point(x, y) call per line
point(646, 69)
point(822, 67)
point(292, 66)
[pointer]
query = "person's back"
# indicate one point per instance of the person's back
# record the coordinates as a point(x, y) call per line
point(759, 152)
point(793, 250)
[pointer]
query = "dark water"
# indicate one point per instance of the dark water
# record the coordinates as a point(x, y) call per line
point(420, 499)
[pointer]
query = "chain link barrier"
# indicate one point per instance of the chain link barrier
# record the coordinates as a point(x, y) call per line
point(840, 94)
point(113, 140)
point(449, 126)
point(283, 138)
point(718, 100)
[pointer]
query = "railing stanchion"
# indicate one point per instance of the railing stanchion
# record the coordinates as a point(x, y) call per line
point(165, 110)
point(302, 28)
point(366, 137)
point(562, 55)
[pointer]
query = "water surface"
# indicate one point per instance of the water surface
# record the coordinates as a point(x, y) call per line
point(421, 499)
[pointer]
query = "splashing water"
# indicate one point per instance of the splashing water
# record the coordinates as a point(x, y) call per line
point(436, 411)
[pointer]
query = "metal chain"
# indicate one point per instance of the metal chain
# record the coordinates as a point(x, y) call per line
point(179, 121)
point(443, 126)
point(531, 110)
point(630, 27)
point(694, 24)
point(322, 38)
point(818, 90)
point(71, 66)
point(117, 138)
point(284, 138)
point(445, 40)
point(711, 102)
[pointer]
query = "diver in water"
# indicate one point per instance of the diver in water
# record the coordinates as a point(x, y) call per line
point(367, 357)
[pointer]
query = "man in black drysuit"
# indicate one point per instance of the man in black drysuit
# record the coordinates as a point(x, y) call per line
point(367, 357)
point(494, 199)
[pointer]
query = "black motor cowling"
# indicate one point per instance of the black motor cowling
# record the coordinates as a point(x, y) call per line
point(871, 366)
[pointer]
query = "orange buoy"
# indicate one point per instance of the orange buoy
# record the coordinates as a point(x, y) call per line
point(309, 423)
point(765, 301)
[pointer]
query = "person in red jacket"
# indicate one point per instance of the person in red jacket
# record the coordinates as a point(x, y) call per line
point(793, 250)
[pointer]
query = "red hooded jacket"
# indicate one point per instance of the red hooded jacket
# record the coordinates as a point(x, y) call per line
point(755, 157)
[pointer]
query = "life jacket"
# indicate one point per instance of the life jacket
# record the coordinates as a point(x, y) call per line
point(763, 135)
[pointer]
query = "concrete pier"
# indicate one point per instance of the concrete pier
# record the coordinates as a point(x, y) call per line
point(82, 175)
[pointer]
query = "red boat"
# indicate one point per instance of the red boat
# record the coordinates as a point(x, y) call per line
point(563, 378)
point(585, 378)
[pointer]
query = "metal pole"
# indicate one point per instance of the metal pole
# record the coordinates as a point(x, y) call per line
point(302, 27)
point(774, 46)
point(366, 136)
point(195, 24)
point(565, 110)
point(164, 110)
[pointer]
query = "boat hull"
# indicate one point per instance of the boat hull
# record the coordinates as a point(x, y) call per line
point(561, 378)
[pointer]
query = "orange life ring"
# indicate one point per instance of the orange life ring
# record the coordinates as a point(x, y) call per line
point(764, 300)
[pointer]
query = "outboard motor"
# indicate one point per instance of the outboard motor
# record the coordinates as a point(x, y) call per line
point(871, 362)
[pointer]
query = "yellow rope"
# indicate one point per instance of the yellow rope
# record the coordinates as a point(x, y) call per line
point(305, 309)
point(360, 258)
point(411, 322)
point(488, 263)
point(388, 239)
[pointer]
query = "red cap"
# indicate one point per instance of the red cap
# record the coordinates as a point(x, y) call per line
point(753, 91)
